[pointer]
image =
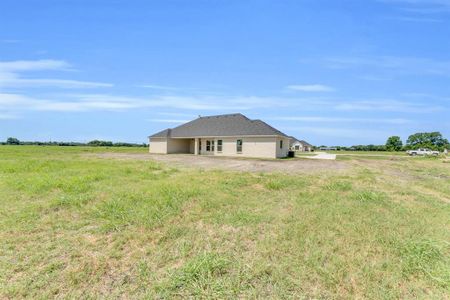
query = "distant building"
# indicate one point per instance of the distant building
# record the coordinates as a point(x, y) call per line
point(328, 148)
point(299, 145)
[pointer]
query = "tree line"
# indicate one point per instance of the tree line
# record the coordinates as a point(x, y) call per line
point(94, 143)
point(431, 140)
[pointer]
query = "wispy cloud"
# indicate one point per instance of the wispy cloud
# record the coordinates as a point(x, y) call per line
point(391, 65)
point(59, 83)
point(310, 88)
point(334, 132)
point(158, 87)
point(33, 65)
point(10, 75)
point(7, 116)
point(422, 6)
point(318, 119)
point(388, 106)
point(10, 41)
point(96, 102)
point(416, 19)
point(430, 11)
point(195, 104)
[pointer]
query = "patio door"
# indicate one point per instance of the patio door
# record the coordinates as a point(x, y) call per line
point(210, 146)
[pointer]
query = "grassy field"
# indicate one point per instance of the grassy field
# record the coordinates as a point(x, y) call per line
point(78, 226)
point(369, 153)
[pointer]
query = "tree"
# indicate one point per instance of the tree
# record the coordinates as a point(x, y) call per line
point(100, 143)
point(394, 143)
point(431, 140)
point(12, 141)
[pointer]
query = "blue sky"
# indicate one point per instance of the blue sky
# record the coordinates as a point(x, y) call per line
point(330, 72)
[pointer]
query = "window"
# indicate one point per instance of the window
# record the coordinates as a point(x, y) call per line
point(281, 144)
point(297, 147)
point(239, 146)
point(219, 145)
point(199, 145)
point(212, 145)
point(208, 146)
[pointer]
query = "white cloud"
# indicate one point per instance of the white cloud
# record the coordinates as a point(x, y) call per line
point(421, 9)
point(424, 6)
point(392, 65)
point(338, 132)
point(430, 11)
point(417, 19)
point(59, 83)
point(96, 102)
point(313, 119)
point(10, 75)
point(310, 88)
point(107, 102)
point(388, 106)
point(158, 87)
point(33, 65)
point(10, 41)
point(7, 116)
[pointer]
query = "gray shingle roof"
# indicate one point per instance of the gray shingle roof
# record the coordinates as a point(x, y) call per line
point(305, 143)
point(221, 125)
point(293, 140)
point(163, 133)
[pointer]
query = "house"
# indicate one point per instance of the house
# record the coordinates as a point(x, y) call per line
point(299, 145)
point(222, 135)
point(325, 148)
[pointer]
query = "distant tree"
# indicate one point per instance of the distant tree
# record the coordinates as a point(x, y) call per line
point(431, 140)
point(394, 143)
point(100, 143)
point(12, 141)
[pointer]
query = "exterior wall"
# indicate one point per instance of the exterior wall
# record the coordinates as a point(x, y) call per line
point(297, 145)
point(192, 146)
point(262, 147)
point(283, 151)
point(178, 145)
point(158, 145)
point(165, 145)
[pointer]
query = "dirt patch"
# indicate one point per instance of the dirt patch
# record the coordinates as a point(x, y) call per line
point(235, 164)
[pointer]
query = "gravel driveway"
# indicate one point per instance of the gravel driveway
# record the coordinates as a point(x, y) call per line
point(296, 165)
point(322, 155)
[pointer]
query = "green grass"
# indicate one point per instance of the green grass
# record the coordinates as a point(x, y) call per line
point(73, 225)
point(369, 153)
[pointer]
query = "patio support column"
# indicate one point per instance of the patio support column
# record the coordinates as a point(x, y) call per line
point(196, 146)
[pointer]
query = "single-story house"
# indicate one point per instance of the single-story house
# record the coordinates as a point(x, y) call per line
point(325, 148)
point(299, 145)
point(222, 135)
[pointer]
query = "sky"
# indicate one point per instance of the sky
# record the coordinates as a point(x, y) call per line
point(330, 72)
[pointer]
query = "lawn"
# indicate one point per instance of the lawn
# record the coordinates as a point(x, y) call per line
point(75, 225)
